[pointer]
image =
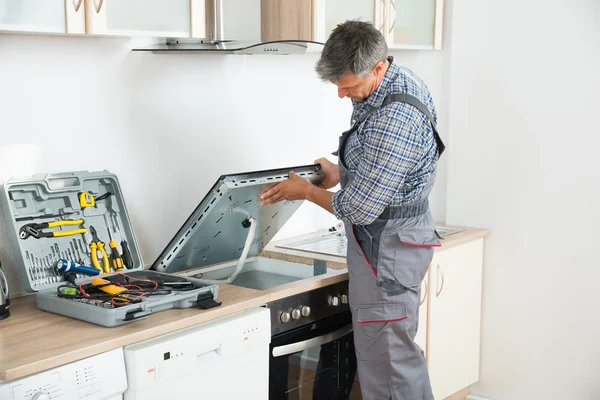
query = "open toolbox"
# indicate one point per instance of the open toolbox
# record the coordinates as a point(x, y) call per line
point(77, 221)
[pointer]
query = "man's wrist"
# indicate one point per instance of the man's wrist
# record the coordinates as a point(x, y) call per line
point(308, 193)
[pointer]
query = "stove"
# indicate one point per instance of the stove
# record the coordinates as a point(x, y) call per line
point(312, 352)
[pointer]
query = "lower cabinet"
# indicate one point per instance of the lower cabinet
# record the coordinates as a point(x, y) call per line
point(454, 318)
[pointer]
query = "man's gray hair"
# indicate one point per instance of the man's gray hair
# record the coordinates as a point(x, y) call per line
point(354, 47)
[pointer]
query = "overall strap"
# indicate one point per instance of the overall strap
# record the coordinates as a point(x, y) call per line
point(418, 104)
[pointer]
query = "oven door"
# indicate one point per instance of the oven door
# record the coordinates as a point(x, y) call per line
point(315, 361)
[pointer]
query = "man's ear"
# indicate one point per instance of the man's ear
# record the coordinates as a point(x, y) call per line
point(379, 68)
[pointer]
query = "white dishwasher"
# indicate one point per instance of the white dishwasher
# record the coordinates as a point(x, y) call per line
point(225, 359)
point(101, 377)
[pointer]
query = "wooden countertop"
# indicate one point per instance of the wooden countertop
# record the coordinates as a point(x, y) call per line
point(32, 341)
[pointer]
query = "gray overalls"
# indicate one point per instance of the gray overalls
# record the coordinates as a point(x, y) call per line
point(387, 261)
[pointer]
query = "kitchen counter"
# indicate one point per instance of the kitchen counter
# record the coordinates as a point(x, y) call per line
point(32, 341)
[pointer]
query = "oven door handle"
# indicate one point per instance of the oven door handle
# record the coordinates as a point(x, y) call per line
point(310, 343)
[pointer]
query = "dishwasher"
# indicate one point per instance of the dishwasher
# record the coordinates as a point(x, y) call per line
point(227, 358)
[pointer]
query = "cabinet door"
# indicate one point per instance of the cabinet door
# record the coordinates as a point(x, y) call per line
point(421, 337)
point(139, 17)
point(454, 318)
point(414, 24)
point(49, 16)
point(330, 13)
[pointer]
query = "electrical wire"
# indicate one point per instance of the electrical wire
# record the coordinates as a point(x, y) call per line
point(242, 260)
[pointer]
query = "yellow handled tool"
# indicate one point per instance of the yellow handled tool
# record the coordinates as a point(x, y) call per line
point(108, 287)
point(35, 230)
point(95, 246)
point(115, 257)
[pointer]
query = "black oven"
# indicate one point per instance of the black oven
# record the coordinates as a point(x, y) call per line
point(312, 347)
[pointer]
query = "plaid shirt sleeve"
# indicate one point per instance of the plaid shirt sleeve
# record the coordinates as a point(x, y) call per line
point(392, 148)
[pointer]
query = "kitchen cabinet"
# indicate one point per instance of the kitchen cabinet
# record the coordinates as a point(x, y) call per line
point(406, 24)
point(44, 16)
point(413, 24)
point(454, 318)
point(139, 17)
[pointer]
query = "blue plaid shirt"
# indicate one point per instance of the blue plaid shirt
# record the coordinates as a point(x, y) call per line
point(392, 155)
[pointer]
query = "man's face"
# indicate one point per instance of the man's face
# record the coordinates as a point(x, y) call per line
point(358, 89)
point(355, 88)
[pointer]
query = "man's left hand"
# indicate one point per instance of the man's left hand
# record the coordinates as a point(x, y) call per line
point(295, 188)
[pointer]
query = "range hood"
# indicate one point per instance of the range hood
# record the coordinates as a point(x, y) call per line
point(239, 27)
point(277, 47)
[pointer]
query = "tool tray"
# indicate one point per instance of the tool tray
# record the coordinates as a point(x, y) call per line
point(55, 198)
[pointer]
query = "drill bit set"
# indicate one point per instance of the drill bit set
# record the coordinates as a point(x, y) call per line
point(76, 249)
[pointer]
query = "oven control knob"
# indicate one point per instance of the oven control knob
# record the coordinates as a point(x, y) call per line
point(335, 301)
point(305, 311)
point(296, 313)
point(285, 317)
point(344, 299)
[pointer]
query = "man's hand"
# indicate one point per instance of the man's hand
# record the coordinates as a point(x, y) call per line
point(295, 188)
point(332, 173)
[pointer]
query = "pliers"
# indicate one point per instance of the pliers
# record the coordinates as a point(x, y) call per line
point(35, 230)
point(95, 246)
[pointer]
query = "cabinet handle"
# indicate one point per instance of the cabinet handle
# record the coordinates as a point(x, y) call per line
point(392, 5)
point(439, 270)
point(425, 295)
point(98, 6)
point(78, 5)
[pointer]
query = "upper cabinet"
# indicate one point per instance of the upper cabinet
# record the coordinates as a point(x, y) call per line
point(406, 24)
point(46, 16)
point(414, 23)
point(160, 18)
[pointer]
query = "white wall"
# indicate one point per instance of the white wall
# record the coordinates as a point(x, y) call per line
point(523, 162)
point(170, 125)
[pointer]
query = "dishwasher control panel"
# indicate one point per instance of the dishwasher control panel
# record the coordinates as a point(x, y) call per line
point(101, 377)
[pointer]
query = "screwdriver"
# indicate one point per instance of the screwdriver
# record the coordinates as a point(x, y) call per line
point(117, 261)
point(128, 261)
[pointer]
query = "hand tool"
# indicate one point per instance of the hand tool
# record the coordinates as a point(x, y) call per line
point(95, 246)
point(108, 287)
point(127, 260)
point(73, 245)
point(35, 229)
point(81, 246)
point(66, 266)
point(30, 265)
point(116, 260)
point(51, 216)
point(87, 199)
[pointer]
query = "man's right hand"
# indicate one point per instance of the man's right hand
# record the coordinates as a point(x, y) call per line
point(332, 173)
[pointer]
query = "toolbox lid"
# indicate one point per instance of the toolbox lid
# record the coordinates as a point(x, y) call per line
point(218, 228)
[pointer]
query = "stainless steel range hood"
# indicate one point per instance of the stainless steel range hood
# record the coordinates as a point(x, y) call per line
point(235, 27)
point(279, 47)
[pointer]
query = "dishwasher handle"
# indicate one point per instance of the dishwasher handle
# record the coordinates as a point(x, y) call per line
point(310, 343)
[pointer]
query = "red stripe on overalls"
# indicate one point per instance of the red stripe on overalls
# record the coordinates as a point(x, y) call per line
point(382, 320)
point(363, 253)
point(421, 244)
